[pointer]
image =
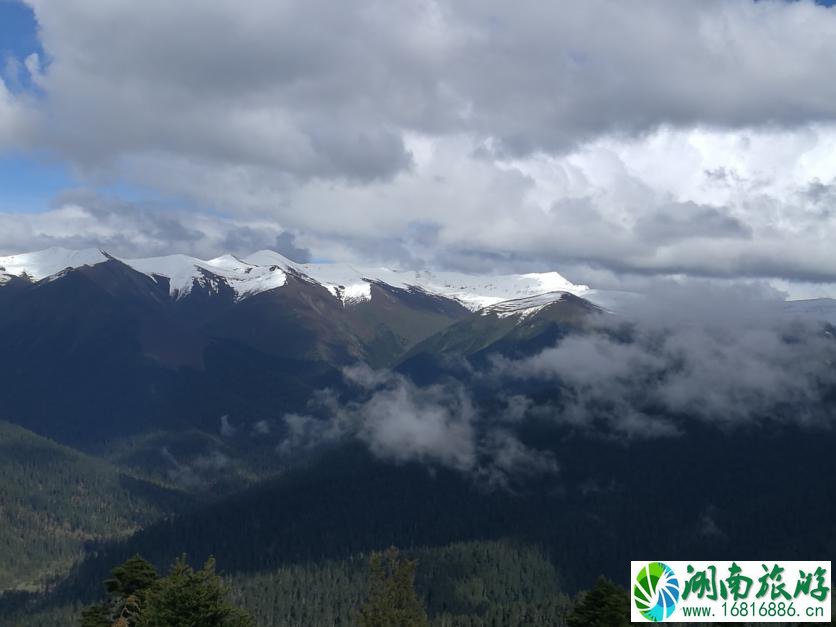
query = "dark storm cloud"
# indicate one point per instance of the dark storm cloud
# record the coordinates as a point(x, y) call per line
point(318, 89)
point(689, 220)
point(286, 245)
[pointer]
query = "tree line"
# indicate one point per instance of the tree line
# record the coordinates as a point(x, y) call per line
point(137, 596)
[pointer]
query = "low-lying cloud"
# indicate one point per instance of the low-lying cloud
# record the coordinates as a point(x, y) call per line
point(437, 425)
point(684, 355)
point(197, 472)
point(729, 357)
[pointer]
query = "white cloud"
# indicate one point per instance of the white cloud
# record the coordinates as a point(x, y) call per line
point(83, 220)
point(663, 137)
point(321, 90)
point(227, 429)
point(16, 119)
point(728, 356)
point(437, 425)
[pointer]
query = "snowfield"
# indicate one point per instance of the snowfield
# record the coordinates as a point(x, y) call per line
point(42, 264)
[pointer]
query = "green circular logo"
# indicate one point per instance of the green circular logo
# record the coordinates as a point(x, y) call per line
point(656, 591)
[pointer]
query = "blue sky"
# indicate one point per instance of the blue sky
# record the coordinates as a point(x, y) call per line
point(28, 183)
point(18, 29)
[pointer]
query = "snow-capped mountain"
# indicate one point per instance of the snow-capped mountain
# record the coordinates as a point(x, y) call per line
point(94, 344)
point(267, 270)
point(106, 344)
point(522, 308)
point(514, 327)
point(44, 263)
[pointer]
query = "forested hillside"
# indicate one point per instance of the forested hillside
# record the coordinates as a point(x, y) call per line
point(461, 584)
point(56, 502)
point(313, 522)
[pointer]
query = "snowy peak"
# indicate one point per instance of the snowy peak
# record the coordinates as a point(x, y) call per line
point(44, 263)
point(523, 307)
point(472, 291)
point(344, 281)
point(184, 272)
point(230, 262)
point(478, 291)
point(267, 258)
point(267, 270)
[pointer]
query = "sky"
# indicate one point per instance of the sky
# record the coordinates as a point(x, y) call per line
point(618, 143)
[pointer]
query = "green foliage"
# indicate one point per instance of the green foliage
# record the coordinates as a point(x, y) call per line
point(461, 584)
point(189, 598)
point(96, 616)
point(48, 617)
point(194, 460)
point(132, 578)
point(138, 597)
point(127, 589)
point(491, 583)
point(55, 500)
point(391, 600)
point(606, 605)
point(130, 613)
point(465, 584)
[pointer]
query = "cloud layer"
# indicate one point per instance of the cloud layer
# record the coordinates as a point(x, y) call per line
point(656, 138)
point(318, 90)
point(726, 357)
point(82, 219)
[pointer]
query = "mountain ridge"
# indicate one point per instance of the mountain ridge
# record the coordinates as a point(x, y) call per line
point(265, 270)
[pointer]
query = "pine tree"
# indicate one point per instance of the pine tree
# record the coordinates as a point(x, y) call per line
point(96, 616)
point(132, 578)
point(391, 599)
point(189, 598)
point(606, 605)
point(126, 589)
point(130, 614)
point(137, 597)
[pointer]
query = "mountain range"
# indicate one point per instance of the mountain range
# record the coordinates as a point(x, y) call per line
point(267, 270)
point(95, 346)
point(145, 405)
